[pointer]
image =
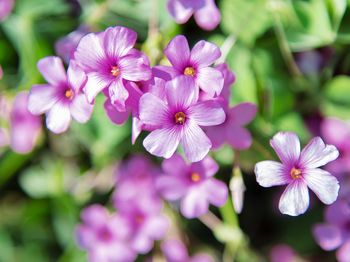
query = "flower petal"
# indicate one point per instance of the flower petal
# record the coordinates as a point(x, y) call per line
point(118, 41)
point(328, 236)
point(208, 17)
point(53, 71)
point(178, 52)
point(287, 147)
point(207, 113)
point(41, 98)
point(323, 184)
point(163, 142)
point(195, 142)
point(95, 84)
point(153, 111)
point(242, 113)
point(343, 252)
point(80, 108)
point(118, 94)
point(295, 199)
point(171, 187)
point(137, 126)
point(194, 204)
point(335, 131)
point(238, 137)
point(176, 160)
point(270, 173)
point(133, 68)
point(179, 11)
point(210, 80)
point(217, 192)
point(174, 251)
point(204, 54)
point(58, 118)
point(76, 77)
point(316, 153)
point(181, 92)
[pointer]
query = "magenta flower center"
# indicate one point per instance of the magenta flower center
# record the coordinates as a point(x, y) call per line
point(105, 235)
point(295, 173)
point(180, 118)
point(115, 71)
point(189, 71)
point(139, 219)
point(69, 93)
point(195, 177)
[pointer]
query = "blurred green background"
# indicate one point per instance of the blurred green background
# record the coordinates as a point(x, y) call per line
point(291, 58)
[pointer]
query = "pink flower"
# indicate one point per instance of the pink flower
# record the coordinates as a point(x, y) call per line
point(5, 8)
point(104, 236)
point(232, 130)
point(337, 132)
point(195, 64)
point(62, 97)
point(193, 184)
point(177, 119)
point(206, 13)
point(1, 72)
point(109, 60)
point(283, 253)
point(299, 170)
point(175, 251)
point(25, 127)
point(335, 233)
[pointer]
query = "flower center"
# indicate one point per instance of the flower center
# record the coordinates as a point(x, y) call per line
point(189, 71)
point(180, 118)
point(295, 173)
point(69, 94)
point(105, 235)
point(115, 71)
point(195, 177)
point(139, 219)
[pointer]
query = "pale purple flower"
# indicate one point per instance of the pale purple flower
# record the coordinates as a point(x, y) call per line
point(104, 236)
point(193, 184)
point(177, 119)
point(283, 253)
point(5, 8)
point(109, 60)
point(337, 132)
point(237, 189)
point(299, 170)
point(62, 97)
point(232, 130)
point(195, 64)
point(25, 127)
point(335, 232)
point(66, 46)
point(175, 251)
point(205, 12)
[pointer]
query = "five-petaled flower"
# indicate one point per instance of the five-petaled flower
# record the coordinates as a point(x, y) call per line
point(299, 170)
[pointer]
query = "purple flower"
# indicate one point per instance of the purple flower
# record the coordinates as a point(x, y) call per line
point(195, 63)
point(25, 127)
point(62, 97)
point(66, 46)
point(175, 251)
point(193, 184)
point(206, 13)
point(337, 132)
point(335, 233)
point(299, 170)
point(232, 130)
point(177, 119)
point(109, 60)
point(104, 236)
point(283, 253)
point(5, 8)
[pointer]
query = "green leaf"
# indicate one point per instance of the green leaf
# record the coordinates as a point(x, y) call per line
point(247, 20)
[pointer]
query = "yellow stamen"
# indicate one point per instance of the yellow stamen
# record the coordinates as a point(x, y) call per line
point(180, 118)
point(195, 177)
point(189, 71)
point(115, 71)
point(295, 173)
point(69, 93)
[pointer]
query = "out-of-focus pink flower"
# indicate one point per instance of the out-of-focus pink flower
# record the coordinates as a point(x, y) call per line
point(206, 13)
point(178, 119)
point(25, 127)
point(337, 132)
point(193, 184)
point(195, 64)
point(232, 130)
point(109, 60)
point(299, 170)
point(283, 253)
point(62, 97)
point(104, 236)
point(66, 46)
point(175, 251)
point(4, 119)
point(5, 8)
point(335, 233)
point(1, 72)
